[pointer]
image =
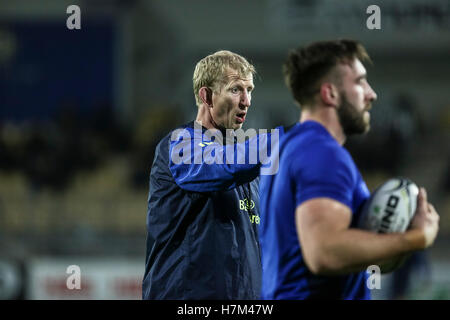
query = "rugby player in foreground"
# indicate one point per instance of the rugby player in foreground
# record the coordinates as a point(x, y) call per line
point(310, 248)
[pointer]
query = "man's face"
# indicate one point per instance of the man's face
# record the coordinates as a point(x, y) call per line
point(231, 100)
point(356, 99)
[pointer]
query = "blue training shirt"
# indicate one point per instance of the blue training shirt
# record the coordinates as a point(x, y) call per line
point(312, 165)
point(202, 217)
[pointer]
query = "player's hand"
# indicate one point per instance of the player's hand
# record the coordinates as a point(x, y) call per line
point(426, 219)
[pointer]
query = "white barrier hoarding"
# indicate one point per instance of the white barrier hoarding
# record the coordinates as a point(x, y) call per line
point(89, 279)
point(121, 279)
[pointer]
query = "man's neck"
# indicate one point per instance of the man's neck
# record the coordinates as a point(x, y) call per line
point(204, 118)
point(329, 119)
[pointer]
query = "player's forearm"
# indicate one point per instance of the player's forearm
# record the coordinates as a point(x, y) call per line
point(353, 250)
point(210, 166)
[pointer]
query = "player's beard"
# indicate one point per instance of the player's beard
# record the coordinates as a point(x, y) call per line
point(352, 120)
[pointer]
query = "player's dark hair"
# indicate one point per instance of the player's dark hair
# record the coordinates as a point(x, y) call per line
point(306, 66)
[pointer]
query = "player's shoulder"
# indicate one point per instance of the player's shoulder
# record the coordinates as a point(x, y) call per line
point(310, 137)
point(185, 131)
point(313, 148)
point(163, 146)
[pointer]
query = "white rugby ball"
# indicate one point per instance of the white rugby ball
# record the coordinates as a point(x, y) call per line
point(390, 208)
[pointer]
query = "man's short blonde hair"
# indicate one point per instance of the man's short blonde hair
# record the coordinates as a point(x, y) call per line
point(211, 70)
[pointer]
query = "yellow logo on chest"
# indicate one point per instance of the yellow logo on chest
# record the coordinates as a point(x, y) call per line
point(247, 206)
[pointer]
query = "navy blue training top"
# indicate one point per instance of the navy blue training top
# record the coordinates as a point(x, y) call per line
point(202, 237)
point(312, 165)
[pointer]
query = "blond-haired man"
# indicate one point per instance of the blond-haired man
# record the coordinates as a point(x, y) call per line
point(202, 240)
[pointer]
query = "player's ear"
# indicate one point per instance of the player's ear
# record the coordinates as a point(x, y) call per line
point(329, 94)
point(205, 95)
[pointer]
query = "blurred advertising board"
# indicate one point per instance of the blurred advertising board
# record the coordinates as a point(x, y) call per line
point(86, 279)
